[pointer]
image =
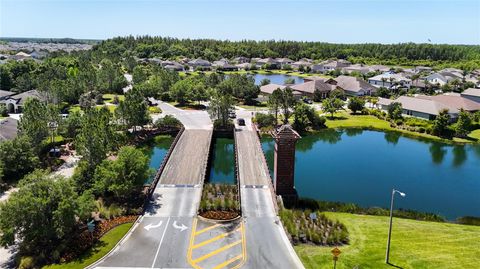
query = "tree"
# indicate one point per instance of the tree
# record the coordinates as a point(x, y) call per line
point(124, 176)
point(34, 123)
point(441, 122)
point(264, 82)
point(17, 158)
point(332, 105)
point(265, 120)
point(71, 125)
point(182, 91)
point(168, 122)
point(464, 124)
point(240, 86)
point(94, 140)
point(220, 106)
point(306, 117)
point(110, 78)
point(134, 110)
point(40, 216)
point(289, 81)
point(356, 104)
point(287, 102)
point(274, 102)
point(395, 111)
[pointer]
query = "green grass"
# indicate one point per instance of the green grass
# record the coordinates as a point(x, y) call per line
point(475, 134)
point(109, 97)
point(346, 120)
point(74, 108)
point(415, 244)
point(106, 243)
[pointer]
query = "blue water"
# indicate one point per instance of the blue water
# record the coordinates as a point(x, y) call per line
point(157, 150)
point(223, 161)
point(276, 78)
point(363, 166)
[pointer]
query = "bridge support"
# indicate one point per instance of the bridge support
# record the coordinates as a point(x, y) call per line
point(284, 163)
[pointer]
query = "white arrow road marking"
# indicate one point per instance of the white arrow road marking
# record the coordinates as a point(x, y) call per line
point(150, 226)
point(182, 227)
point(160, 244)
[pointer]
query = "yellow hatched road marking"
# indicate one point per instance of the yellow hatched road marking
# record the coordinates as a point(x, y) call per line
point(223, 264)
point(192, 239)
point(214, 239)
point(207, 229)
point(204, 257)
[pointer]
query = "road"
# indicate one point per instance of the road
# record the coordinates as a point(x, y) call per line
point(258, 210)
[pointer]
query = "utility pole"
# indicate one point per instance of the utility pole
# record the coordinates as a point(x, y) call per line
point(391, 220)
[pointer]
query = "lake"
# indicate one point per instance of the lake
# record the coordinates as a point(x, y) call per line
point(362, 167)
point(222, 168)
point(156, 150)
point(275, 78)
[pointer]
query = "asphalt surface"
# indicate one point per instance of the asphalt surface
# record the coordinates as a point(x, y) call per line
point(188, 161)
point(251, 162)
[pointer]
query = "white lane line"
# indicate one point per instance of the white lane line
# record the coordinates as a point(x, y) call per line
point(159, 245)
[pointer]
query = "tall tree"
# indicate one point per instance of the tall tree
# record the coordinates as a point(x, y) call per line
point(17, 158)
point(332, 105)
point(274, 102)
point(464, 124)
point(135, 109)
point(287, 103)
point(220, 106)
point(440, 124)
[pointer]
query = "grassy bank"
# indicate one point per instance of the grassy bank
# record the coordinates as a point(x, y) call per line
point(346, 120)
point(106, 243)
point(415, 244)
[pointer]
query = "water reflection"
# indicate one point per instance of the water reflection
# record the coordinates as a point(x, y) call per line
point(459, 155)
point(223, 161)
point(392, 137)
point(353, 132)
point(438, 152)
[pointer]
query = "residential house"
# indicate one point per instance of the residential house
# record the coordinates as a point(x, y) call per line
point(331, 65)
point(383, 103)
point(355, 86)
point(5, 94)
point(472, 94)
point(302, 62)
point(379, 68)
point(390, 80)
point(283, 62)
point(241, 60)
point(420, 69)
point(244, 66)
point(174, 66)
point(442, 78)
point(21, 56)
point(200, 64)
point(360, 68)
point(319, 88)
point(270, 62)
point(268, 89)
point(223, 65)
point(14, 103)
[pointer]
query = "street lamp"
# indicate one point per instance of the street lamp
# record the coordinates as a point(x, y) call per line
point(391, 217)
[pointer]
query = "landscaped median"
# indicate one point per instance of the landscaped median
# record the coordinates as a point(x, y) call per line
point(106, 243)
point(415, 244)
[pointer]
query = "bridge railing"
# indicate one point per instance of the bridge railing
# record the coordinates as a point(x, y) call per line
point(156, 179)
point(270, 181)
point(237, 169)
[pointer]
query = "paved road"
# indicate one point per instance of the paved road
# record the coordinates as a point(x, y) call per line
point(251, 162)
point(191, 119)
point(188, 161)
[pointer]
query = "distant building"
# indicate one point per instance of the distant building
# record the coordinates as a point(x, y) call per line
point(224, 65)
point(200, 63)
point(390, 80)
point(355, 86)
point(442, 78)
point(320, 87)
point(472, 94)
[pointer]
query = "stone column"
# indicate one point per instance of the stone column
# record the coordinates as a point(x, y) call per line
point(284, 163)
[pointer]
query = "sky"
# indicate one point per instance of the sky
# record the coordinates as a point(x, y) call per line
point(335, 21)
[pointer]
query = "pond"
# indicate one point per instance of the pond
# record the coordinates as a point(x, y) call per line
point(275, 78)
point(222, 168)
point(156, 150)
point(362, 167)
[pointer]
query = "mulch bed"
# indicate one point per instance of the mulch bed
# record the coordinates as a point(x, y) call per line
point(220, 215)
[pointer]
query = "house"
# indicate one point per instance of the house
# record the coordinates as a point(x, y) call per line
point(471, 94)
point(14, 103)
point(200, 64)
point(390, 80)
point(284, 62)
point(268, 89)
point(241, 60)
point(355, 86)
point(360, 68)
point(270, 62)
point(428, 107)
point(174, 66)
point(224, 65)
point(330, 65)
point(21, 56)
point(379, 68)
point(303, 62)
point(320, 88)
point(420, 69)
point(244, 66)
point(383, 103)
point(5, 94)
point(442, 78)
point(8, 129)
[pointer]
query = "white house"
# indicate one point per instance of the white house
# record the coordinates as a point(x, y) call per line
point(355, 86)
point(390, 80)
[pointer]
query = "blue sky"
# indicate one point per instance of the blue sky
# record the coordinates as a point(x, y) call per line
point(339, 21)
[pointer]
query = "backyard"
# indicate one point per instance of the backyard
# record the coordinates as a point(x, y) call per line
point(415, 244)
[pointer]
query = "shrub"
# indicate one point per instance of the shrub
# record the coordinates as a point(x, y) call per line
point(154, 110)
point(26, 263)
point(168, 122)
point(264, 120)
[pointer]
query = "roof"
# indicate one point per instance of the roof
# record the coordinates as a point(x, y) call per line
point(286, 132)
point(471, 92)
point(353, 84)
point(200, 62)
point(22, 97)
point(456, 102)
point(267, 61)
point(8, 129)
point(5, 93)
point(312, 86)
point(269, 88)
point(423, 105)
point(384, 101)
point(396, 77)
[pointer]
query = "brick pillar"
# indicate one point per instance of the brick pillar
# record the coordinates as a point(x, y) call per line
point(284, 163)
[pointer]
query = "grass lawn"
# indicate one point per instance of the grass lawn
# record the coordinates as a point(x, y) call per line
point(415, 244)
point(74, 108)
point(475, 134)
point(109, 97)
point(346, 120)
point(106, 243)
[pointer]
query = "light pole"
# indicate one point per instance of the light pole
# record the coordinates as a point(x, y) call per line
point(391, 218)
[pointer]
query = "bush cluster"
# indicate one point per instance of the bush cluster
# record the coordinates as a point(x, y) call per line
point(222, 197)
point(320, 231)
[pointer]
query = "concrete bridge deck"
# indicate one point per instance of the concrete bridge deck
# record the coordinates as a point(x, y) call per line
point(186, 165)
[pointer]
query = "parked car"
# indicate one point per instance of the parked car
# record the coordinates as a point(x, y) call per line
point(241, 122)
point(307, 101)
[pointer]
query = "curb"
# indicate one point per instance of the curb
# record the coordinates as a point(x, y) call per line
point(120, 242)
